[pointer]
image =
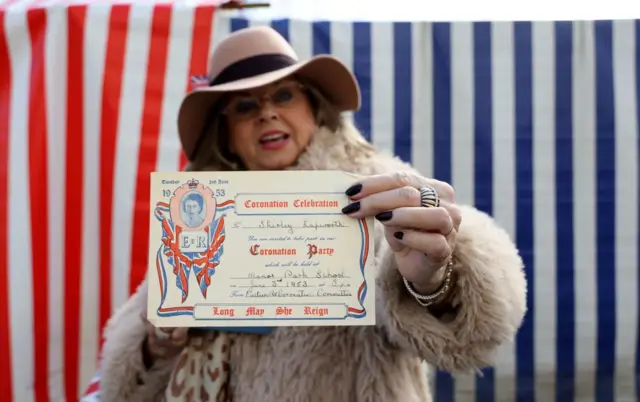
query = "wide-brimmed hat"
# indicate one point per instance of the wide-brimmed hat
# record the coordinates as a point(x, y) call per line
point(254, 57)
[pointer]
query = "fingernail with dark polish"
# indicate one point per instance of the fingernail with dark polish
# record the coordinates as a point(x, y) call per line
point(353, 190)
point(351, 208)
point(384, 216)
point(398, 235)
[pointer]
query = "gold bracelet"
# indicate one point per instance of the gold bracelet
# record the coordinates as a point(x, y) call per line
point(428, 300)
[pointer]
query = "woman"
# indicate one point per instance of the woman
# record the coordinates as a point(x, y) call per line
point(450, 287)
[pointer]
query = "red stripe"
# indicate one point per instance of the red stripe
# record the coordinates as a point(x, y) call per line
point(94, 386)
point(200, 43)
point(182, 163)
point(38, 197)
point(74, 213)
point(149, 134)
point(111, 92)
point(6, 387)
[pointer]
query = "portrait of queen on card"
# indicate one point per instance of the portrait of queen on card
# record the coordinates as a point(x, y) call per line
point(247, 251)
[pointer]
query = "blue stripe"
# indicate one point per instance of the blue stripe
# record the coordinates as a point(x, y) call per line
point(525, 356)
point(362, 71)
point(442, 144)
point(402, 99)
point(321, 37)
point(238, 23)
point(282, 26)
point(565, 317)
point(637, 78)
point(442, 101)
point(605, 211)
point(483, 154)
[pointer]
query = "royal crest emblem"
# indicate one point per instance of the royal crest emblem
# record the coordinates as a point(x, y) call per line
point(193, 235)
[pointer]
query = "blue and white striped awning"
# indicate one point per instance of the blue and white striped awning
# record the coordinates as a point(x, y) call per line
point(536, 123)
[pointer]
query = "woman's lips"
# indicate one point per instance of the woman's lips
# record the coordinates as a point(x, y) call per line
point(274, 140)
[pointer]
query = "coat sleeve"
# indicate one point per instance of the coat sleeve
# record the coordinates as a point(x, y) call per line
point(489, 300)
point(123, 375)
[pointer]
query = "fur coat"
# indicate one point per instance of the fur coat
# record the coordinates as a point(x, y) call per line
point(353, 364)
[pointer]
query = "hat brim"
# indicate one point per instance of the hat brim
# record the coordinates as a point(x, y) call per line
point(329, 75)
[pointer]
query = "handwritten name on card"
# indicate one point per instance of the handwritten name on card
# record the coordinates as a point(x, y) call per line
point(243, 249)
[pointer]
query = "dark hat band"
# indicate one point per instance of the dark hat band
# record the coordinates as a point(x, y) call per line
point(252, 66)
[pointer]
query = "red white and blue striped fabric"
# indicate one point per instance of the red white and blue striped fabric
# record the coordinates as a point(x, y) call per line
point(536, 123)
point(88, 101)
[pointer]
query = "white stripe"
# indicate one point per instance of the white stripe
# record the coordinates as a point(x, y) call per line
point(462, 112)
point(176, 79)
point(626, 167)
point(301, 38)
point(91, 398)
point(48, 4)
point(382, 103)
point(56, 93)
point(20, 278)
point(543, 67)
point(462, 145)
point(95, 46)
point(342, 47)
point(422, 98)
point(504, 198)
point(128, 142)
point(221, 29)
point(19, 6)
point(259, 22)
point(584, 206)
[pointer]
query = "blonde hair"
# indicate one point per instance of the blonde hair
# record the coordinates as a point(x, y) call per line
point(214, 154)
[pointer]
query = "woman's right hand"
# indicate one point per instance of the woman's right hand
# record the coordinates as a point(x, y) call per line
point(164, 343)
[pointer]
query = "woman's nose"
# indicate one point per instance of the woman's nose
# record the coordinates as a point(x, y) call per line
point(267, 112)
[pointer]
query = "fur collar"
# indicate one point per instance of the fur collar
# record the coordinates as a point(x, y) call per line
point(345, 150)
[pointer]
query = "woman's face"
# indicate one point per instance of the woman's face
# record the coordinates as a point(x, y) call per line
point(270, 127)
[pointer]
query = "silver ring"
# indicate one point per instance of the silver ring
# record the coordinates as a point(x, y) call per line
point(429, 197)
point(160, 334)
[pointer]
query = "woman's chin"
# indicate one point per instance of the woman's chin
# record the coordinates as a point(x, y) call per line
point(277, 162)
point(275, 166)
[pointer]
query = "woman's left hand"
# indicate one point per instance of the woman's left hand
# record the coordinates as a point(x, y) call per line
point(422, 238)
